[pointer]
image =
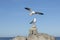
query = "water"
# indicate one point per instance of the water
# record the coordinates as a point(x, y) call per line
point(8, 38)
point(5, 38)
point(57, 38)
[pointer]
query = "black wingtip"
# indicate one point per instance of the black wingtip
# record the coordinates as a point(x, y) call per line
point(42, 13)
point(31, 22)
point(27, 8)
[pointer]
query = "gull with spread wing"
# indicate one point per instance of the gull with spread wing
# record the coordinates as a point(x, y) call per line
point(33, 12)
point(33, 21)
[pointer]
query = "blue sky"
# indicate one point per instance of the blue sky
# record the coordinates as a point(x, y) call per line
point(14, 19)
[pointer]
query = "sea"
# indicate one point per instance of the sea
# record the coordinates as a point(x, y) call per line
point(9, 38)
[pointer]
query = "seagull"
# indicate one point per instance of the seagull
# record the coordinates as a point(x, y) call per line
point(33, 12)
point(33, 21)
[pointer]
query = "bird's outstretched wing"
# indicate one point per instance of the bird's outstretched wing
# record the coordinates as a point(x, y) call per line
point(29, 9)
point(39, 13)
point(31, 22)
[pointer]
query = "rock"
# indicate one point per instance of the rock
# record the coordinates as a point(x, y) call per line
point(34, 35)
point(19, 38)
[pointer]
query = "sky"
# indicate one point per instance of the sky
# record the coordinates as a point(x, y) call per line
point(14, 19)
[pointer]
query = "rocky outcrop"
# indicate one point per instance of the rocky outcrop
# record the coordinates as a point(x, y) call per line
point(34, 35)
point(19, 38)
